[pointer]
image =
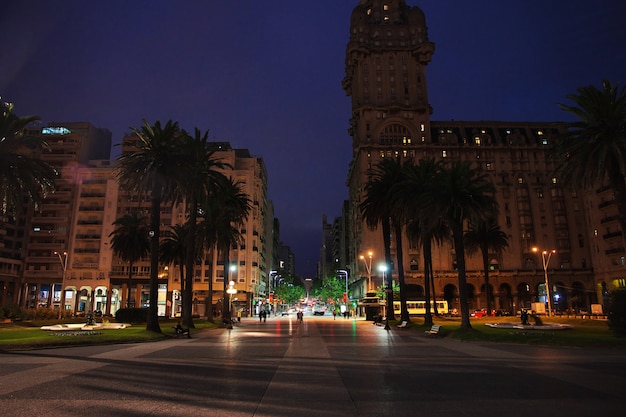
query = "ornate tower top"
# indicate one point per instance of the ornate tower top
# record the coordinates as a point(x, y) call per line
point(386, 60)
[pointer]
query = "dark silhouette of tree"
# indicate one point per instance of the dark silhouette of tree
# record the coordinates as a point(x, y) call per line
point(485, 235)
point(130, 242)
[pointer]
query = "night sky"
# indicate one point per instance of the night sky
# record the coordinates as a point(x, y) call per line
point(266, 75)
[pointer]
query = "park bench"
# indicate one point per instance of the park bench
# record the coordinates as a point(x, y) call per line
point(434, 330)
point(403, 324)
point(181, 331)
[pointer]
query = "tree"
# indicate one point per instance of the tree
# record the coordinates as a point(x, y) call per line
point(22, 172)
point(459, 194)
point(223, 214)
point(173, 250)
point(593, 149)
point(331, 290)
point(155, 165)
point(410, 193)
point(202, 178)
point(130, 242)
point(485, 235)
point(377, 208)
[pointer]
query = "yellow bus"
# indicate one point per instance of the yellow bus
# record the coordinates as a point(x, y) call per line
point(418, 308)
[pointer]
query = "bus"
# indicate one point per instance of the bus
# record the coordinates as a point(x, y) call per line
point(418, 308)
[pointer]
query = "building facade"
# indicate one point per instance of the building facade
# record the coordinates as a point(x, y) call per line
point(386, 62)
point(60, 257)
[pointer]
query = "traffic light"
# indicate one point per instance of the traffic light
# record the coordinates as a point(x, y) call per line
point(271, 297)
point(345, 297)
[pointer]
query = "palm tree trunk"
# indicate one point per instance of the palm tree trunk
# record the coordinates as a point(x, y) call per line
point(225, 303)
point(129, 283)
point(389, 290)
point(459, 246)
point(404, 312)
point(428, 317)
point(155, 230)
point(209, 300)
point(190, 260)
point(485, 252)
point(432, 282)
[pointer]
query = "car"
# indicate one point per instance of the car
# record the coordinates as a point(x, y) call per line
point(319, 312)
point(479, 313)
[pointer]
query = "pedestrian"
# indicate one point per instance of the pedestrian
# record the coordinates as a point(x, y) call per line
point(300, 316)
point(334, 314)
point(260, 316)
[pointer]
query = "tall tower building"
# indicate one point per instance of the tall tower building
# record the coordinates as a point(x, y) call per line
point(386, 61)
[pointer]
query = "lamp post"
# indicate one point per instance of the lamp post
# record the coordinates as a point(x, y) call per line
point(63, 260)
point(345, 295)
point(368, 266)
point(383, 268)
point(231, 290)
point(545, 257)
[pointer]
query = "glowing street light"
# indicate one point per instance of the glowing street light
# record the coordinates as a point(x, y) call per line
point(231, 290)
point(545, 257)
point(368, 266)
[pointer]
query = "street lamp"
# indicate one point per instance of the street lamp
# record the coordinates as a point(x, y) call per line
point(231, 290)
point(63, 260)
point(383, 268)
point(345, 295)
point(545, 257)
point(368, 267)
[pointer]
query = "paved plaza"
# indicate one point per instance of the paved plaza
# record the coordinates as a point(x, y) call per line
point(321, 367)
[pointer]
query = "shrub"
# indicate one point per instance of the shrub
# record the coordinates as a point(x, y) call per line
point(11, 311)
point(131, 315)
point(617, 312)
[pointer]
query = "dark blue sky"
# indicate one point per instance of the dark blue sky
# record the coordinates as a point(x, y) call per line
point(266, 75)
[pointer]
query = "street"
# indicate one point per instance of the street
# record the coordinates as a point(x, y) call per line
point(321, 367)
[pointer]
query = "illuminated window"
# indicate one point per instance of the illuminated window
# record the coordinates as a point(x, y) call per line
point(444, 154)
point(385, 7)
point(553, 180)
point(386, 18)
point(477, 140)
point(520, 180)
point(369, 12)
point(422, 127)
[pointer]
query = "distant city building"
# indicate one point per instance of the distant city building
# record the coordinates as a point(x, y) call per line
point(386, 61)
point(61, 257)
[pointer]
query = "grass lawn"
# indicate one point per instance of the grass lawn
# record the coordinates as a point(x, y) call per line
point(585, 333)
point(28, 335)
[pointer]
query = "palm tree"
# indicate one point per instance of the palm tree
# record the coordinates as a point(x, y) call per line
point(21, 169)
point(419, 228)
point(486, 235)
point(155, 166)
point(223, 214)
point(378, 208)
point(459, 194)
point(594, 148)
point(173, 249)
point(202, 180)
point(130, 242)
